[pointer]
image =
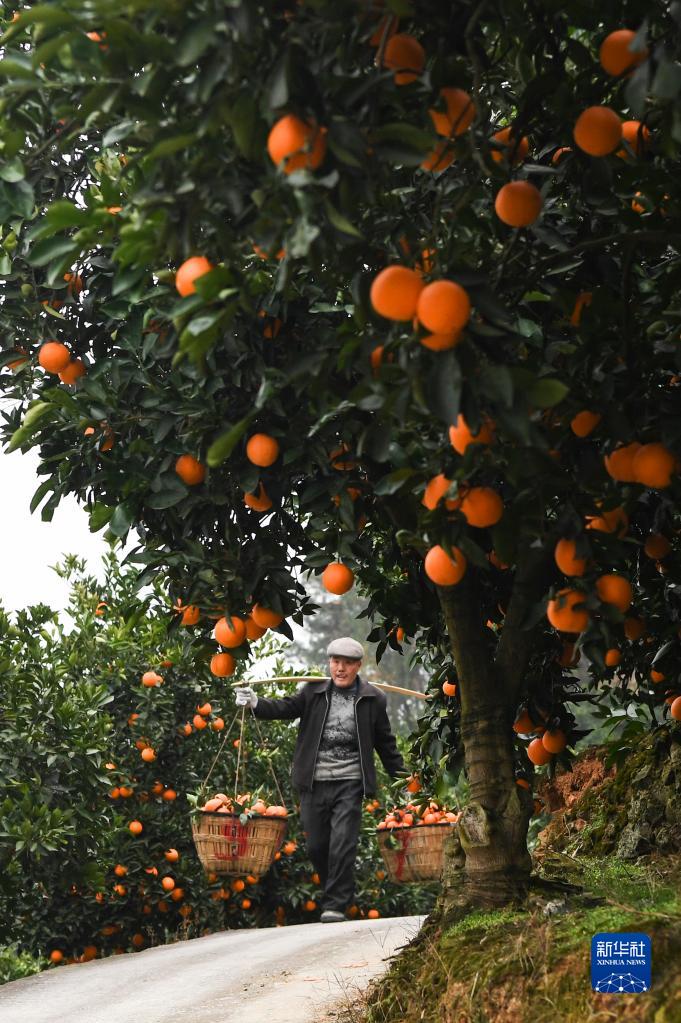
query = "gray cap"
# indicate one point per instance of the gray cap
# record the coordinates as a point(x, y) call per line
point(345, 647)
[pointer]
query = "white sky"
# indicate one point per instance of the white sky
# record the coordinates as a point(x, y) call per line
point(30, 546)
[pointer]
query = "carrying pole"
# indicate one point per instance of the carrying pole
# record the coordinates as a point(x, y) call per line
point(325, 678)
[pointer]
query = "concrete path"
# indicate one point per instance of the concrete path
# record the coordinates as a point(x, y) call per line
point(274, 975)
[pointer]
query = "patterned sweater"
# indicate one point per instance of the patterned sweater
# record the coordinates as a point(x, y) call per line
point(338, 755)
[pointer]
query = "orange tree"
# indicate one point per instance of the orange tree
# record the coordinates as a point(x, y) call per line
point(425, 325)
point(75, 719)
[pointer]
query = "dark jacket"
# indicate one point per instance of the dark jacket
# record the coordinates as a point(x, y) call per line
point(311, 704)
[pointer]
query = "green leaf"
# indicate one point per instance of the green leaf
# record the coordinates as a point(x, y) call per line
point(99, 516)
point(406, 134)
point(393, 481)
point(12, 170)
point(43, 489)
point(246, 125)
point(222, 448)
point(339, 221)
point(546, 392)
point(121, 520)
point(194, 42)
point(36, 412)
point(169, 146)
point(52, 248)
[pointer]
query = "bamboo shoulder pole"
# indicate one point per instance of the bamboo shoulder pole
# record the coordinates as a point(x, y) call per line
point(325, 678)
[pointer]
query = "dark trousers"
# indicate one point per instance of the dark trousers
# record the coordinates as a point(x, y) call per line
point(331, 814)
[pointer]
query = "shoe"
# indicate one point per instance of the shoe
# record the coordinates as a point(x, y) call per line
point(332, 916)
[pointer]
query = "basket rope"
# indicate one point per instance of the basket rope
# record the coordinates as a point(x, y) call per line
point(269, 762)
point(215, 758)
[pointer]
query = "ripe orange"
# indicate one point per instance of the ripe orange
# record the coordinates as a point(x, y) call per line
point(405, 56)
point(177, 894)
point(310, 906)
point(676, 709)
point(54, 357)
point(189, 273)
point(653, 466)
point(512, 147)
point(619, 464)
point(259, 502)
point(74, 370)
point(170, 795)
point(136, 827)
point(190, 470)
point(615, 520)
point(302, 144)
point(449, 689)
point(395, 292)
point(172, 855)
point(584, 298)
point(150, 679)
point(137, 940)
point(566, 558)
point(460, 435)
point(222, 665)
point(598, 131)
point(168, 883)
point(482, 507)
point(199, 722)
point(585, 423)
point(634, 628)
point(120, 889)
point(262, 450)
point(614, 589)
point(555, 741)
point(218, 725)
point(438, 159)
point(657, 546)
point(56, 956)
point(191, 615)
point(148, 755)
point(522, 783)
point(518, 203)
point(119, 870)
point(612, 657)
point(459, 115)
point(523, 724)
point(204, 709)
point(443, 307)
point(636, 135)
point(337, 578)
point(230, 633)
point(436, 488)
point(413, 785)
point(265, 618)
point(253, 630)
point(538, 753)
point(373, 914)
point(657, 676)
point(445, 569)
point(89, 953)
point(441, 342)
point(615, 54)
point(563, 613)
point(559, 154)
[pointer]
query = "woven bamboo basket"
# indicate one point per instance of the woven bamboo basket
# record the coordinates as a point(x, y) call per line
point(418, 854)
point(226, 846)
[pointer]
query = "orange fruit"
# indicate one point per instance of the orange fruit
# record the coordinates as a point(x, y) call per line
point(636, 135)
point(523, 724)
point(170, 795)
point(405, 56)
point(259, 502)
point(583, 299)
point(445, 569)
point(554, 741)
point(522, 783)
point(222, 665)
point(230, 633)
point(584, 423)
point(441, 342)
point(151, 679)
point(459, 114)
point(302, 144)
point(598, 131)
point(413, 785)
point(566, 558)
point(191, 615)
point(449, 689)
point(253, 631)
point(168, 883)
point(199, 722)
point(436, 488)
point(563, 613)
point(559, 154)
point(634, 628)
point(653, 465)
point(460, 435)
point(135, 827)
point(54, 357)
point(614, 589)
point(189, 273)
point(615, 520)
point(512, 147)
point(56, 956)
point(373, 914)
point(148, 755)
point(190, 470)
point(676, 709)
point(204, 709)
point(612, 657)
point(337, 578)
point(395, 292)
point(119, 870)
point(657, 546)
point(438, 159)
point(310, 906)
point(518, 203)
point(657, 676)
point(619, 464)
point(177, 894)
point(265, 618)
point(218, 725)
point(482, 507)
point(172, 855)
point(262, 450)
point(74, 370)
point(538, 753)
point(443, 307)
point(89, 953)
point(615, 54)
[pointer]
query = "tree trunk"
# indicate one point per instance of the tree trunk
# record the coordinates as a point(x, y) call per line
point(493, 826)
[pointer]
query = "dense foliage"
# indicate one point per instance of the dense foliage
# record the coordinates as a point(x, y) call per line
point(137, 135)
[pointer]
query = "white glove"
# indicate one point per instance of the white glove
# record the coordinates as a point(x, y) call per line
point(245, 696)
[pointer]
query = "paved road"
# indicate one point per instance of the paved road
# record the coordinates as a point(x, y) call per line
point(274, 975)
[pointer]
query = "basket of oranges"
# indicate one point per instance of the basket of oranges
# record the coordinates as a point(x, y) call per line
point(411, 841)
point(235, 837)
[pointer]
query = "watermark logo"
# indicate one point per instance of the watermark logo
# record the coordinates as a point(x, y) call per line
point(621, 963)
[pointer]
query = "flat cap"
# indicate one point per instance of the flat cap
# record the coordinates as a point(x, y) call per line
point(345, 647)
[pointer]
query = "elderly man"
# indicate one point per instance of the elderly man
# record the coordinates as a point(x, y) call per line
point(342, 721)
